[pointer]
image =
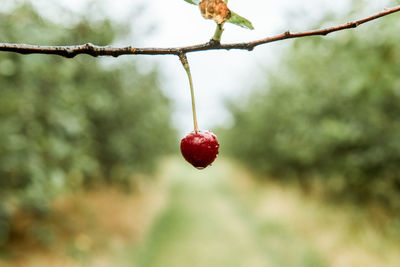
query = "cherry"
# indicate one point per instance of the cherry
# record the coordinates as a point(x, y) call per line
point(200, 148)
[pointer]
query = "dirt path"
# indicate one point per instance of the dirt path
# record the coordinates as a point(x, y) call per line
point(205, 223)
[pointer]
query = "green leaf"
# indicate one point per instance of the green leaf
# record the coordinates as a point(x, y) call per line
point(192, 2)
point(240, 21)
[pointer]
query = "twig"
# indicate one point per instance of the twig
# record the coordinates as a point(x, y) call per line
point(94, 50)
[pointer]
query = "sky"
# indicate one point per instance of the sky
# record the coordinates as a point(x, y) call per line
point(217, 75)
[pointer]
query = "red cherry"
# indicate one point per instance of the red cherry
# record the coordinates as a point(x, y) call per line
point(200, 149)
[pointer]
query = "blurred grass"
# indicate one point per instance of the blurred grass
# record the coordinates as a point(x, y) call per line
point(217, 217)
point(203, 224)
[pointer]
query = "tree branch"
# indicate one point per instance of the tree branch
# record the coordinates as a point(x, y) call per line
point(94, 50)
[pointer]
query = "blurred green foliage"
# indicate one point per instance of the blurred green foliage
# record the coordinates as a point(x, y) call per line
point(67, 122)
point(329, 112)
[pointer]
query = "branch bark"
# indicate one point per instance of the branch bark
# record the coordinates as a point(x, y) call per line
point(94, 50)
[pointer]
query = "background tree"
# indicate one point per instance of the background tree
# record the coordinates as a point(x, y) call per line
point(329, 111)
point(68, 123)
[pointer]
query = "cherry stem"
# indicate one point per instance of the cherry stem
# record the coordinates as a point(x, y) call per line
point(185, 63)
point(218, 33)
